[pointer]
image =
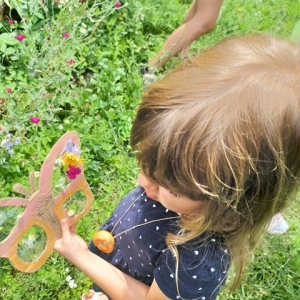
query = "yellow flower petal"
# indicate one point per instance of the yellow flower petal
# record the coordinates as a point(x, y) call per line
point(70, 159)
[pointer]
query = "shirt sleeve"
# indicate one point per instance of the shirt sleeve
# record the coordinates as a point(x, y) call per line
point(202, 271)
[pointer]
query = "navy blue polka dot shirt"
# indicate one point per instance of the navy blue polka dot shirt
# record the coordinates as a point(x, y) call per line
point(142, 253)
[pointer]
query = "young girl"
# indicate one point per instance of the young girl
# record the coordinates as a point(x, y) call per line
point(218, 144)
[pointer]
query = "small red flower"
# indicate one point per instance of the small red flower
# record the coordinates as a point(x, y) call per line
point(8, 90)
point(71, 61)
point(118, 4)
point(20, 37)
point(35, 120)
point(66, 35)
point(11, 22)
point(73, 172)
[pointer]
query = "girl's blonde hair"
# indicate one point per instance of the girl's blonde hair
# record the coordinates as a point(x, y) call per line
point(224, 127)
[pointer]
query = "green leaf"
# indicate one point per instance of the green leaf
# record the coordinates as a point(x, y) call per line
point(2, 217)
point(39, 15)
point(5, 36)
point(1, 282)
point(8, 39)
point(3, 47)
point(9, 51)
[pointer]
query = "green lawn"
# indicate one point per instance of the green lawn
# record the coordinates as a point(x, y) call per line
point(97, 94)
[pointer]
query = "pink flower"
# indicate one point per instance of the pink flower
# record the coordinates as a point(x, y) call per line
point(20, 37)
point(35, 120)
point(8, 90)
point(71, 61)
point(118, 4)
point(11, 22)
point(73, 172)
point(66, 35)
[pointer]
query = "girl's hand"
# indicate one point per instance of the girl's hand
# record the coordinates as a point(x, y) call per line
point(71, 246)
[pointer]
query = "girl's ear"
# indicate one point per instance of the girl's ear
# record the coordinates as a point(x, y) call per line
point(57, 150)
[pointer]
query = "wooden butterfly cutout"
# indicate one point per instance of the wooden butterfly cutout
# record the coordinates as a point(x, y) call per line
point(42, 208)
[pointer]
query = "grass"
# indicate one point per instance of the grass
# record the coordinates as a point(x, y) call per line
point(274, 273)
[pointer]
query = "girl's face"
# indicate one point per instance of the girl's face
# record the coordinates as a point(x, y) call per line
point(180, 204)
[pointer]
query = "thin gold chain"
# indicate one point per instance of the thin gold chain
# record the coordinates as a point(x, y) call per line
point(139, 225)
point(126, 211)
point(144, 224)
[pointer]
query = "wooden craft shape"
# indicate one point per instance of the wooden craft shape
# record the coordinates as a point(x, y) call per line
point(42, 208)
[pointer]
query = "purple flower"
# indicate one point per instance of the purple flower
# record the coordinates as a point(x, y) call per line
point(66, 35)
point(71, 148)
point(35, 120)
point(71, 61)
point(8, 90)
point(118, 4)
point(17, 141)
point(20, 37)
point(11, 22)
point(73, 172)
point(7, 144)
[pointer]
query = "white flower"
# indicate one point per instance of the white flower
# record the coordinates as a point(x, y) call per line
point(61, 183)
point(11, 151)
point(71, 213)
point(72, 284)
point(31, 237)
point(67, 270)
point(19, 216)
point(83, 30)
point(36, 174)
point(68, 278)
point(60, 126)
point(29, 242)
point(58, 161)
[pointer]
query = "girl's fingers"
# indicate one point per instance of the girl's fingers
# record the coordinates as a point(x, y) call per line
point(65, 230)
point(65, 239)
point(70, 215)
point(72, 229)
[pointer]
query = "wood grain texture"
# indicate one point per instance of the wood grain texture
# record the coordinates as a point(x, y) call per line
point(42, 208)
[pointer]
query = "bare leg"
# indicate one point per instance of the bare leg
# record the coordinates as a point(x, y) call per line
point(200, 19)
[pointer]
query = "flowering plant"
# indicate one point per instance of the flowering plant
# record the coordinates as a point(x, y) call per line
point(71, 161)
point(96, 95)
point(53, 62)
point(76, 69)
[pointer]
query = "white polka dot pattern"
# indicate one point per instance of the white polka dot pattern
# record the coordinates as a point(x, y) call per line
point(142, 252)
